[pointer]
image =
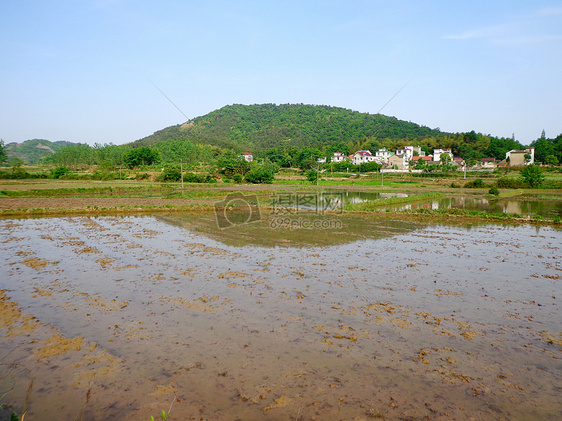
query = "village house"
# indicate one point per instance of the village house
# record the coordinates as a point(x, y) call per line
point(321, 160)
point(518, 158)
point(488, 163)
point(399, 161)
point(338, 157)
point(247, 156)
point(458, 162)
point(382, 156)
point(362, 157)
point(417, 150)
point(426, 159)
point(438, 152)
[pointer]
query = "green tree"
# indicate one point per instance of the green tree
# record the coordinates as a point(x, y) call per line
point(261, 174)
point(307, 158)
point(141, 156)
point(59, 172)
point(498, 147)
point(532, 175)
point(279, 156)
point(312, 175)
point(3, 153)
point(551, 159)
point(230, 163)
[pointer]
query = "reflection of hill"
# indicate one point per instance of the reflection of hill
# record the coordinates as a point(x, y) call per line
point(298, 231)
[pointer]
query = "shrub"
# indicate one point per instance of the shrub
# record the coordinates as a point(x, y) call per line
point(475, 184)
point(143, 176)
point(59, 172)
point(551, 160)
point(494, 190)
point(510, 183)
point(169, 174)
point(237, 178)
point(260, 175)
point(532, 175)
point(190, 177)
point(312, 176)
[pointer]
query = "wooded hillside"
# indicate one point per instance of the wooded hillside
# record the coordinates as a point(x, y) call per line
point(266, 126)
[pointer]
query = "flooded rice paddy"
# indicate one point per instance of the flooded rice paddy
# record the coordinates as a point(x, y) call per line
point(527, 205)
point(550, 208)
point(370, 318)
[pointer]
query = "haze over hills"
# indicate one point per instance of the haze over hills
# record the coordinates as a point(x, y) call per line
point(263, 126)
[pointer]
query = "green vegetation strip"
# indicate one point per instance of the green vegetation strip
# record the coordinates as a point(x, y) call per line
point(111, 210)
point(376, 205)
point(458, 212)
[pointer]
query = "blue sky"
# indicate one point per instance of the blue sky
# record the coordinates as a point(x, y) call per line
point(82, 70)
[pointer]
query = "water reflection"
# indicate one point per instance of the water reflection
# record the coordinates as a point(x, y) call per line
point(524, 207)
point(296, 229)
point(332, 200)
point(546, 205)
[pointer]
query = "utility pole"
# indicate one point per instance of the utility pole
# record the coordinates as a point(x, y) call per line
point(181, 172)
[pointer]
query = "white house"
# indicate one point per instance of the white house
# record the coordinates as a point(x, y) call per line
point(418, 149)
point(321, 160)
point(438, 152)
point(247, 156)
point(517, 157)
point(338, 157)
point(382, 156)
point(362, 157)
point(408, 152)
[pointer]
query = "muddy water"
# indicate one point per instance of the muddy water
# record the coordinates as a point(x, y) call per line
point(119, 318)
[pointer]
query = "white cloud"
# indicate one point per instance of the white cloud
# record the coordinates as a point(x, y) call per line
point(550, 12)
point(489, 32)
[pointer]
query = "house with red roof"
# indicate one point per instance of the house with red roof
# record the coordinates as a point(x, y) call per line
point(247, 156)
point(362, 157)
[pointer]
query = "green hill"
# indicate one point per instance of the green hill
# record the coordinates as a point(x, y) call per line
point(264, 126)
point(32, 151)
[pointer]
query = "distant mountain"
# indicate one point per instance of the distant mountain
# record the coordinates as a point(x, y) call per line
point(263, 126)
point(31, 151)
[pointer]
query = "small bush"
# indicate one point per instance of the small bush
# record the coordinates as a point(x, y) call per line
point(260, 175)
point(312, 176)
point(169, 174)
point(494, 190)
point(510, 183)
point(532, 175)
point(237, 178)
point(143, 176)
point(475, 184)
point(197, 178)
point(59, 172)
point(453, 185)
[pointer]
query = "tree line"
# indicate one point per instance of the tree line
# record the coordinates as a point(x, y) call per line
point(470, 146)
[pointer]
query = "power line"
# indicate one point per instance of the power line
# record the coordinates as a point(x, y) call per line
point(171, 102)
point(387, 102)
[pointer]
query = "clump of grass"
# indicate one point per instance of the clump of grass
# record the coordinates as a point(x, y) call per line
point(164, 414)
